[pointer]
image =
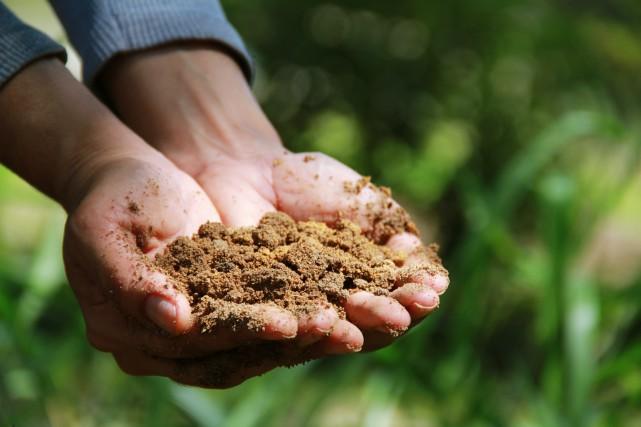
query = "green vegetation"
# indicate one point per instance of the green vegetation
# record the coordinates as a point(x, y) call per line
point(510, 129)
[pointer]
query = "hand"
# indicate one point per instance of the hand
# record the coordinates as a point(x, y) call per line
point(125, 202)
point(132, 208)
point(195, 106)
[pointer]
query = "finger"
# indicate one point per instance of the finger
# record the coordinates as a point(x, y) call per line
point(239, 193)
point(315, 186)
point(110, 242)
point(139, 291)
point(437, 281)
point(277, 323)
point(316, 326)
point(235, 324)
point(230, 368)
point(163, 305)
point(345, 338)
point(105, 322)
point(380, 313)
point(418, 299)
point(104, 294)
point(222, 370)
point(126, 278)
point(422, 264)
point(404, 242)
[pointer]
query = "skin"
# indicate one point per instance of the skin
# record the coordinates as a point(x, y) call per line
point(202, 151)
point(194, 105)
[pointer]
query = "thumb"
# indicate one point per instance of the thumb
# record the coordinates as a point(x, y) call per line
point(140, 291)
point(165, 307)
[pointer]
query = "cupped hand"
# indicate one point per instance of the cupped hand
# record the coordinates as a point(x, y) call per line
point(130, 209)
point(198, 110)
point(245, 185)
point(126, 202)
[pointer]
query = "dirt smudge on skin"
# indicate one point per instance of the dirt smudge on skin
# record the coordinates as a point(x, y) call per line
point(133, 207)
point(384, 215)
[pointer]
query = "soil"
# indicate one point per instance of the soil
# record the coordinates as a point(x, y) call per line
point(299, 266)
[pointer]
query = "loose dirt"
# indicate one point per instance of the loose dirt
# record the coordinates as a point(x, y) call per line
point(299, 266)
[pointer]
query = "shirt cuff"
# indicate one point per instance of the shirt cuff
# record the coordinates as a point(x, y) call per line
point(101, 29)
point(21, 45)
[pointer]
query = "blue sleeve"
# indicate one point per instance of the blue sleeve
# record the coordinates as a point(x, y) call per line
point(101, 29)
point(21, 44)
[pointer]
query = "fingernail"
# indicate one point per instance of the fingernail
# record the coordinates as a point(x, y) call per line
point(354, 348)
point(433, 303)
point(287, 327)
point(342, 348)
point(440, 283)
point(391, 330)
point(283, 329)
point(277, 324)
point(425, 307)
point(162, 312)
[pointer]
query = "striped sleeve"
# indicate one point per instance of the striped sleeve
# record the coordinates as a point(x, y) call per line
point(21, 44)
point(101, 29)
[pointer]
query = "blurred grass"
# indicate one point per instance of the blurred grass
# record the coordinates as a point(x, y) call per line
point(510, 129)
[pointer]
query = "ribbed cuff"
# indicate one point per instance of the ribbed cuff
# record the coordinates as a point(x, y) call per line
point(21, 44)
point(101, 29)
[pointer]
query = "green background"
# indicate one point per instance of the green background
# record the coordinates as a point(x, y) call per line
point(509, 129)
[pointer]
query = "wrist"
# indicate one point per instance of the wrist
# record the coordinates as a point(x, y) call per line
point(99, 146)
point(187, 100)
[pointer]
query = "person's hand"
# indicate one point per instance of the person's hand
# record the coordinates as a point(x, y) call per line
point(125, 203)
point(132, 209)
point(194, 105)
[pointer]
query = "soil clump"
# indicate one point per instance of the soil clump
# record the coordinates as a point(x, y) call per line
point(299, 266)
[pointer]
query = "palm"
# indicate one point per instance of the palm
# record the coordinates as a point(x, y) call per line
point(132, 210)
point(313, 186)
point(223, 140)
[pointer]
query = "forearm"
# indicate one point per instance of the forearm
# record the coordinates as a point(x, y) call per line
point(54, 133)
point(186, 98)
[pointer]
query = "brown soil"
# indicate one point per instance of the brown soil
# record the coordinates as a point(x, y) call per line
point(299, 266)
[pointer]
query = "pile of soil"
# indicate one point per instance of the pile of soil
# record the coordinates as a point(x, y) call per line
point(298, 266)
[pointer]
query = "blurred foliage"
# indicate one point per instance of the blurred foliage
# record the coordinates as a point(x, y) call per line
point(510, 129)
